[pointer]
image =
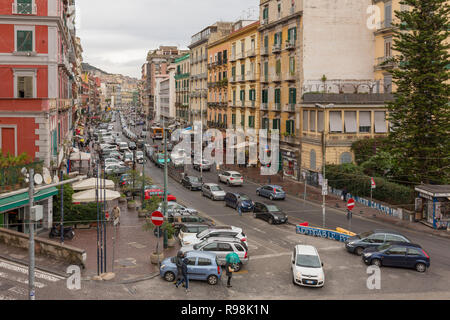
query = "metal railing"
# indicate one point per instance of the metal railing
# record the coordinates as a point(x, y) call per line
point(290, 107)
point(276, 107)
point(264, 51)
point(241, 78)
point(276, 77)
point(276, 48)
point(251, 76)
point(24, 8)
point(290, 44)
point(251, 53)
point(264, 106)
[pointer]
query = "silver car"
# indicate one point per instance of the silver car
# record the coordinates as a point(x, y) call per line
point(222, 246)
point(213, 191)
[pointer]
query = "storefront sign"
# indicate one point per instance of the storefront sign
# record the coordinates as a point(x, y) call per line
point(322, 233)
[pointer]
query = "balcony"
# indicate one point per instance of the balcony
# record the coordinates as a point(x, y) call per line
point(241, 78)
point(276, 77)
point(251, 53)
point(233, 79)
point(264, 22)
point(24, 8)
point(384, 25)
point(265, 78)
point(233, 57)
point(290, 107)
point(276, 107)
point(35, 105)
point(251, 76)
point(290, 45)
point(383, 63)
point(252, 104)
point(212, 84)
point(240, 55)
point(264, 106)
point(264, 51)
point(276, 48)
point(290, 76)
point(287, 138)
point(348, 98)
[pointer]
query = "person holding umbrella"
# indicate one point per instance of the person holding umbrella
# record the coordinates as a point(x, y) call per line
point(231, 259)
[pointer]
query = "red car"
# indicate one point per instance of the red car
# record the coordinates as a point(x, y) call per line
point(159, 193)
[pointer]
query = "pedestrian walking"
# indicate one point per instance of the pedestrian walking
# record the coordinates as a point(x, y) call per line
point(184, 273)
point(179, 264)
point(229, 271)
point(344, 194)
point(116, 214)
point(240, 208)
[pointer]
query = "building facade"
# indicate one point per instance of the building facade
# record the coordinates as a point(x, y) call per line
point(182, 81)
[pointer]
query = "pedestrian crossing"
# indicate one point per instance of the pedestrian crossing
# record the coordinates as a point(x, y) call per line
point(14, 280)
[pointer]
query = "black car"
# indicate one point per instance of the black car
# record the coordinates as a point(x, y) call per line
point(269, 212)
point(192, 183)
point(236, 200)
point(178, 219)
point(140, 143)
point(374, 238)
point(397, 254)
point(132, 146)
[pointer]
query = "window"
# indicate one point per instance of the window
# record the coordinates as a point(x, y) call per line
point(277, 95)
point(290, 126)
point(292, 95)
point(265, 96)
point(292, 34)
point(266, 13)
point(278, 67)
point(392, 237)
point(350, 121)
point(312, 160)
point(305, 120)
point(25, 87)
point(397, 251)
point(365, 121)
point(225, 247)
point(346, 157)
point(210, 247)
point(233, 119)
point(242, 96)
point(276, 124)
point(191, 261)
point(388, 47)
point(24, 40)
point(292, 65)
point(376, 238)
point(414, 252)
point(279, 10)
point(320, 124)
point(239, 248)
point(380, 122)
point(312, 121)
point(24, 7)
point(266, 41)
point(388, 14)
point(204, 262)
point(265, 123)
point(335, 121)
point(251, 121)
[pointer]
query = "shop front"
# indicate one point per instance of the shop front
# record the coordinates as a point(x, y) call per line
point(289, 159)
point(13, 211)
point(433, 205)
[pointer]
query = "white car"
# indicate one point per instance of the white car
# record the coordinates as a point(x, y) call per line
point(113, 161)
point(217, 231)
point(231, 178)
point(307, 268)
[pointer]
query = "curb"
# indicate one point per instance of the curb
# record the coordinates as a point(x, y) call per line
point(140, 279)
point(45, 269)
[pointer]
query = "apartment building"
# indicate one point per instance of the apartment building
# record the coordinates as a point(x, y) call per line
point(162, 95)
point(39, 76)
point(199, 72)
point(182, 81)
point(244, 66)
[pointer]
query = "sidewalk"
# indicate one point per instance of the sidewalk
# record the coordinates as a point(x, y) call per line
point(133, 247)
point(297, 189)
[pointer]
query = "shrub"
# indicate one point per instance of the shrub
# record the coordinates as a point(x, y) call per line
point(367, 148)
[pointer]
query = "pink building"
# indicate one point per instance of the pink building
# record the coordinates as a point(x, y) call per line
point(38, 76)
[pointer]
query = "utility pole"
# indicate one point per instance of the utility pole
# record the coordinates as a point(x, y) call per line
point(104, 212)
point(165, 186)
point(31, 238)
point(62, 208)
point(324, 177)
point(98, 221)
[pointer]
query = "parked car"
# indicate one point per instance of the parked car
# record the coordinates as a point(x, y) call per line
point(113, 161)
point(374, 238)
point(116, 169)
point(140, 143)
point(236, 200)
point(213, 191)
point(202, 266)
point(158, 159)
point(179, 219)
point(306, 266)
point(176, 208)
point(270, 213)
point(205, 165)
point(151, 191)
point(132, 146)
point(144, 134)
point(123, 147)
point(128, 158)
point(222, 246)
point(232, 178)
point(220, 231)
point(115, 155)
point(140, 157)
point(397, 254)
point(192, 183)
point(189, 229)
point(272, 192)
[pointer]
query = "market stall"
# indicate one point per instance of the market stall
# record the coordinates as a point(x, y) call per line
point(433, 205)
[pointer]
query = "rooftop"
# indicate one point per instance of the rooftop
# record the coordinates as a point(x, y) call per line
point(434, 190)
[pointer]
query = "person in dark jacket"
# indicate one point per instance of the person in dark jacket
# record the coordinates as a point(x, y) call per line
point(184, 272)
point(179, 264)
point(229, 272)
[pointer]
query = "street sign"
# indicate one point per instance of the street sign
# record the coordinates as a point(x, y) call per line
point(373, 184)
point(351, 204)
point(325, 187)
point(157, 218)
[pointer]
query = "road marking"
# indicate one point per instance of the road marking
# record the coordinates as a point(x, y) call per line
point(18, 290)
point(267, 256)
point(2, 297)
point(38, 274)
point(256, 229)
point(20, 280)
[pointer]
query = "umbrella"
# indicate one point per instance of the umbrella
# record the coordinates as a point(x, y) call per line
point(80, 156)
point(91, 183)
point(232, 258)
point(89, 196)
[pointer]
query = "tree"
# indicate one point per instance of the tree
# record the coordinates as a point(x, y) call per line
point(420, 113)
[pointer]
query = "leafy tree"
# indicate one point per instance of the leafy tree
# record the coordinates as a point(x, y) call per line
point(367, 148)
point(420, 114)
point(381, 164)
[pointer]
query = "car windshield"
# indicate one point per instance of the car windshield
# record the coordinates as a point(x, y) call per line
point(216, 188)
point(278, 190)
point(236, 175)
point(308, 261)
point(199, 245)
point(139, 153)
point(202, 234)
point(195, 179)
point(384, 247)
point(244, 197)
point(273, 208)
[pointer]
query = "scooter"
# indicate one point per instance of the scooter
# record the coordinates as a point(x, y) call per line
point(55, 232)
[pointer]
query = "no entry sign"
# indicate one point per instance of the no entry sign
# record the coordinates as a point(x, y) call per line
point(157, 218)
point(351, 204)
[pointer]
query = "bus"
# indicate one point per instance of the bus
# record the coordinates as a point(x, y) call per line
point(157, 133)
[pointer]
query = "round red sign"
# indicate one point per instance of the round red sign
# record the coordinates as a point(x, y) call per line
point(157, 218)
point(350, 204)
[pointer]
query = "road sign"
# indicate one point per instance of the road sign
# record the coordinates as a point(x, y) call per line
point(325, 187)
point(373, 184)
point(157, 218)
point(351, 204)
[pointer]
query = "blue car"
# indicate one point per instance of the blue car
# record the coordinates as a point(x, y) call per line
point(272, 192)
point(234, 200)
point(397, 254)
point(202, 266)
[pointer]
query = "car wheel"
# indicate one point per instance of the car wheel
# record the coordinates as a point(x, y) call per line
point(270, 220)
point(190, 188)
point(254, 215)
point(376, 262)
point(212, 280)
point(238, 267)
point(271, 197)
point(169, 276)
point(229, 183)
point(293, 280)
point(421, 267)
point(257, 193)
point(359, 251)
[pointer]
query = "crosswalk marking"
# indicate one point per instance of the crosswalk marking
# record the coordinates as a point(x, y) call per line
point(2, 297)
point(38, 274)
point(20, 280)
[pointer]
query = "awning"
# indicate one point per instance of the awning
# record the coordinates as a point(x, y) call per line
point(81, 156)
point(91, 184)
point(89, 196)
point(22, 199)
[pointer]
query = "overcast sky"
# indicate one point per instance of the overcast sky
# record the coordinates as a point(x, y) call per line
point(116, 35)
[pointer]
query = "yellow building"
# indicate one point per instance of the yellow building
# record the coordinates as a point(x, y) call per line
point(182, 74)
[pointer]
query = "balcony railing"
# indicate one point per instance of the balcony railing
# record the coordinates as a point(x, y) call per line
point(250, 76)
point(384, 63)
point(241, 78)
point(252, 104)
point(233, 57)
point(290, 76)
point(265, 78)
point(251, 53)
point(290, 44)
point(290, 107)
point(233, 79)
point(240, 55)
point(24, 8)
point(276, 107)
point(264, 51)
point(385, 24)
point(264, 21)
point(276, 48)
point(264, 106)
point(276, 77)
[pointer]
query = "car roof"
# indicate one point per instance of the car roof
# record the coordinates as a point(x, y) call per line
point(387, 231)
point(405, 244)
point(233, 172)
point(211, 184)
point(306, 249)
point(273, 186)
point(195, 225)
point(226, 228)
point(201, 254)
point(224, 239)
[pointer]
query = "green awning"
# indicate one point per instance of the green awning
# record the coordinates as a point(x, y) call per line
point(22, 199)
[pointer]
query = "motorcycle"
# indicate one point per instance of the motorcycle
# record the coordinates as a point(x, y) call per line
point(55, 232)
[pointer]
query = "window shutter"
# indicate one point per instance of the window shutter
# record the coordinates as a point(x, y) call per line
point(28, 86)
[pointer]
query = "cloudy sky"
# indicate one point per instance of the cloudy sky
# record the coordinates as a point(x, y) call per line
point(116, 35)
